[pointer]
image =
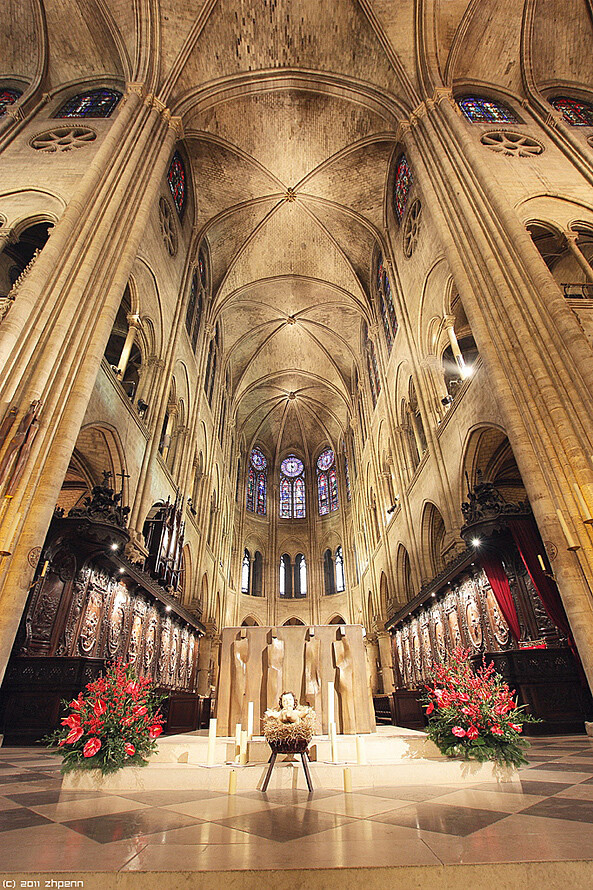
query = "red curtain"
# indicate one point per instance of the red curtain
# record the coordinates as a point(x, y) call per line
point(497, 578)
point(529, 545)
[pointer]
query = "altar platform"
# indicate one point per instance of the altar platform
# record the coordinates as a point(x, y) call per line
point(536, 832)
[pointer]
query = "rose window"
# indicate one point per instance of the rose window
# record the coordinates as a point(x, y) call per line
point(63, 139)
point(512, 144)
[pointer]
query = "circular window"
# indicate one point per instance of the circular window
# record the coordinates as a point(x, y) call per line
point(258, 459)
point(325, 459)
point(63, 139)
point(412, 228)
point(291, 466)
point(168, 229)
point(512, 144)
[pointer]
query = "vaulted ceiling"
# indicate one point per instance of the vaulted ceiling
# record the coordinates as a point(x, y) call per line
point(290, 110)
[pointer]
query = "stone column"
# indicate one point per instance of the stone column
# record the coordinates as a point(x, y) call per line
point(573, 246)
point(386, 659)
point(450, 329)
point(53, 340)
point(7, 236)
point(537, 358)
point(133, 326)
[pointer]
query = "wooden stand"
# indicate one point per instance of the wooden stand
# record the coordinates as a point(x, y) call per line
point(288, 749)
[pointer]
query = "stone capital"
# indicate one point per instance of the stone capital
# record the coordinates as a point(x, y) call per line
point(134, 321)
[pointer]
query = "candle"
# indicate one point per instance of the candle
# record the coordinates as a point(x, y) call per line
point(361, 757)
point(211, 741)
point(541, 562)
point(250, 720)
point(347, 780)
point(572, 545)
point(45, 567)
point(330, 704)
point(333, 739)
point(237, 741)
point(243, 747)
point(585, 512)
point(232, 781)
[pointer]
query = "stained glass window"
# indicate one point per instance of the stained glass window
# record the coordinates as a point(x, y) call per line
point(579, 114)
point(299, 498)
point(480, 110)
point(258, 459)
point(347, 474)
point(291, 466)
point(333, 489)
point(292, 488)
point(390, 306)
point(251, 490)
point(403, 184)
point(94, 103)
point(285, 499)
point(261, 495)
point(176, 180)
point(191, 305)
point(386, 306)
point(257, 482)
point(8, 97)
point(327, 483)
point(323, 494)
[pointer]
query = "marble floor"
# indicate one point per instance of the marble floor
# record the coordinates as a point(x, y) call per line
point(547, 818)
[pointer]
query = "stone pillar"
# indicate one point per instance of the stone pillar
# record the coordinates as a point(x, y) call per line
point(372, 653)
point(53, 340)
point(537, 359)
point(450, 329)
point(7, 236)
point(573, 246)
point(133, 326)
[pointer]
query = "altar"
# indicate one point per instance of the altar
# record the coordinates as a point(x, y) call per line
point(324, 665)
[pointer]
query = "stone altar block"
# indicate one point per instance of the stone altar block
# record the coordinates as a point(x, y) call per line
point(258, 663)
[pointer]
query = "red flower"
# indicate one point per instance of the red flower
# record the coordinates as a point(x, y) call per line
point(74, 735)
point(139, 710)
point(76, 704)
point(459, 731)
point(473, 732)
point(154, 731)
point(73, 720)
point(430, 708)
point(496, 730)
point(129, 749)
point(516, 726)
point(91, 747)
point(133, 687)
point(99, 707)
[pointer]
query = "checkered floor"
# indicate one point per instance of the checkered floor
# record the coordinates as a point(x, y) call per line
point(548, 817)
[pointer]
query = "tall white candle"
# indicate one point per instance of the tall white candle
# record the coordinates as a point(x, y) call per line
point(232, 782)
point(584, 507)
point(237, 741)
point(243, 747)
point(570, 541)
point(361, 757)
point(331, 716)
point(333, 739)
point(250, 720)
point(347, 780)
point(211, 741)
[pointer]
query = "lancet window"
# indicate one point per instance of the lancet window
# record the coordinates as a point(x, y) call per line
point(292, 488)
point(386, 306)
point(327, 482)
point(176, 180)
point(197, 297)
point(402, 186)
point(372, 366)
point(257, 482)
point(93, 103)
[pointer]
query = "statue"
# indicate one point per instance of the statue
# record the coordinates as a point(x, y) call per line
point(344, 664)
point(275, 666)
point(290, 726)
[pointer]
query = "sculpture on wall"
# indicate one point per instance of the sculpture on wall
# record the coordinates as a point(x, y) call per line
point(343, 659)
point(312, 674)
point(240, 656)
point(275, 652)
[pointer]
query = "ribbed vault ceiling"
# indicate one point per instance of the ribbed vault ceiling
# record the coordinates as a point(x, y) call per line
point(290, 109)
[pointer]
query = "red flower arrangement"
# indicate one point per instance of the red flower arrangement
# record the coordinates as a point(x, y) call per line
point(473, 714)
point(114, 723)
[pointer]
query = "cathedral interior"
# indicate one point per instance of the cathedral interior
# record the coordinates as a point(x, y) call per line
point(296, 330)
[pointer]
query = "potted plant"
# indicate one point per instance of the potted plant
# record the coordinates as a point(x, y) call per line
point(114, 723)
point(473, 714)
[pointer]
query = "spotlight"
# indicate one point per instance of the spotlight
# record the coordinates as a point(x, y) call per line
point(447, 400)
point(121, 571)
point(168, 609)
point(476, 542)
point(114, 546)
